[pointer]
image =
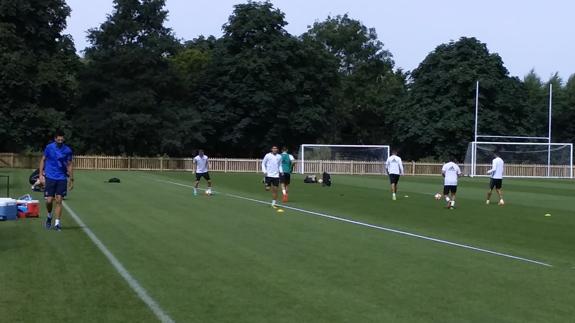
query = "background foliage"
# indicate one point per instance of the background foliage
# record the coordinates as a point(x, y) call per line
point(138, 90)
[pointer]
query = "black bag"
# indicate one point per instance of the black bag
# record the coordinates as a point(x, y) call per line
point(326, 179)
point(114, 180)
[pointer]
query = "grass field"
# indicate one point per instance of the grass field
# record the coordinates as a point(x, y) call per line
point(223, 258)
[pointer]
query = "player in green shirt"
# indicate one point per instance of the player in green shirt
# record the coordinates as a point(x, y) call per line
point(287, 166)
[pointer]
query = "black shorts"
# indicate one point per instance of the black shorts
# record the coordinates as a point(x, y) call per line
point(285, 178)
point(449, 189)
point(205, 175)
point(393, 178)
point(272, 181)
point(496, 182)
point(56, 187)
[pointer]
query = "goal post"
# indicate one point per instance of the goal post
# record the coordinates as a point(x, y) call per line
point(522, 159)
point(524, 156)
point(343, 159)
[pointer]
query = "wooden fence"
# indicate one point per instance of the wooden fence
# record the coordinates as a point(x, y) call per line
point(237, 165)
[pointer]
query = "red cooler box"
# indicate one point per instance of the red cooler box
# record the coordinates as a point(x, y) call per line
point(28, 209)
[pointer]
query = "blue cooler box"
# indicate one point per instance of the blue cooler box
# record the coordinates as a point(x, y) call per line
point(8, 209)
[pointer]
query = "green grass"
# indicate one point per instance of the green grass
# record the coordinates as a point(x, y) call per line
point(223, 259)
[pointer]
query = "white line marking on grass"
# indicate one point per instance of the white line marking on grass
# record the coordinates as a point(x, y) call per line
point(140, 291)
point(455, 244)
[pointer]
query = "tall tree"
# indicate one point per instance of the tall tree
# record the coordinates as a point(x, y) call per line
point(439, 110)
point(37, 72)
point(185, 128)
point(130, 93)
point(564, 110)
point(265, 86)
point(537, 103)
point(369, 88)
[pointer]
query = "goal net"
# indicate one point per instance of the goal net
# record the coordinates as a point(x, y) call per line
point(522, 159)
point(342, 159)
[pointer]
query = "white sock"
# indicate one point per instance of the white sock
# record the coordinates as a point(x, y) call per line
point(273, 202)
point(284, 191)
point(57, 222)
point(447, 199)
point(453, 203)
point(393, 194)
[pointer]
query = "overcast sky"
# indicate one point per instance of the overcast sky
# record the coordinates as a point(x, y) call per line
point(527, 34)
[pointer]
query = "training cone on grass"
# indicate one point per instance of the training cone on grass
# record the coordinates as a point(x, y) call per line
point(280, 210)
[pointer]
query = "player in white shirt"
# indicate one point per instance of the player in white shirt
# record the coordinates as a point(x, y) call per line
point(450, 172)
point(496, 171)
point(202, 170)
point(271, 167)
point(394, 168)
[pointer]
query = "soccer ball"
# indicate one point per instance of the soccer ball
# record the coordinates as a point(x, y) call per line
point(208, 192)
point(437, 196)
point(320, 180)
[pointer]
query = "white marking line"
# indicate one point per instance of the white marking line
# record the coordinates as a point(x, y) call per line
point(455, 244)
point(140, 291)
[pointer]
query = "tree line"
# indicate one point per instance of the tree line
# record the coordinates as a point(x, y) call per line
point(139, 90)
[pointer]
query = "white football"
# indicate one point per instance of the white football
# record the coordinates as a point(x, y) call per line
point(437, 196)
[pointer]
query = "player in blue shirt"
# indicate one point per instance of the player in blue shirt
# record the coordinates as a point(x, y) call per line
point(57, 175)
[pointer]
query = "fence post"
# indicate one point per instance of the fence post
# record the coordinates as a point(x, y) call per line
point(413, 167)
point(225, 165)
point(12, 160)
point(351, 167)
point(129, 162)
point(161, 164)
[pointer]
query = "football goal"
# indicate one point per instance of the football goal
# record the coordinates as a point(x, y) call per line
point(342, 159)
point(524, 156)
point(522, 159)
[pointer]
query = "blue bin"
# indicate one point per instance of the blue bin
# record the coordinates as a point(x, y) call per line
point(8, 209)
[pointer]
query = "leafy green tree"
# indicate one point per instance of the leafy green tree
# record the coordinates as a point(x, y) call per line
point(564, 111)
point(369, 89)
point(264, 86)
point(185, 128)
point(439, 111)
point(192, 61)
point(132, 94)
point(38, 64)
point(537, 101)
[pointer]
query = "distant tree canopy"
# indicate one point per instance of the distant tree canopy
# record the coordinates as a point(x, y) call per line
point(369, 90)
point(38, 67)
point(264, 86)
point(128, 89)
point(440, 101)
point(139, 90)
